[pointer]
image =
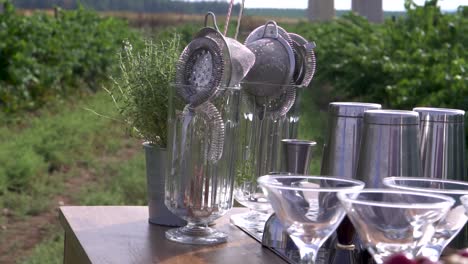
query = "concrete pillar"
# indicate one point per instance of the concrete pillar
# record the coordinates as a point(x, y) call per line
point(320, 10)
point(370, 9)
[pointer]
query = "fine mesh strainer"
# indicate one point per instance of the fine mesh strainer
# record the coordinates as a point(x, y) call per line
point(199, 71)
point(201, 68)
point(274, 61)
point(305, 60)
point(209, 62)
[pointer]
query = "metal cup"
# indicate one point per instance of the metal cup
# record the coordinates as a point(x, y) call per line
point(443, 150)
point(442, 143)
point(389, 147)
point(297, 154)
point(342, 146)
point(340, 157)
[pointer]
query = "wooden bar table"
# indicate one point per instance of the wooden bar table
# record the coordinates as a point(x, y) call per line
point(122, 234)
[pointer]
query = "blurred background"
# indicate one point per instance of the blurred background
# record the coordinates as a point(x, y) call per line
point(62, 141)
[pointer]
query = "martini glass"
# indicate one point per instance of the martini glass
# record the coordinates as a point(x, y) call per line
point(307, 207)
point(394, 221)
point(464, 201)
point(448, 228)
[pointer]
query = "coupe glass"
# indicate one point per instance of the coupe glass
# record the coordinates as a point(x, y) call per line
point(200, 176)
point(464, 201)
point(454, 221)
point(308, 208)
point(393, 221)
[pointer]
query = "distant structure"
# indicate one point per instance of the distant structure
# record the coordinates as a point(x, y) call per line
point(322, 10)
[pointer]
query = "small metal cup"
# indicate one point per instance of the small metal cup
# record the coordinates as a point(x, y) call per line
point(389, 147)
point(442, 143)
point(297, 154)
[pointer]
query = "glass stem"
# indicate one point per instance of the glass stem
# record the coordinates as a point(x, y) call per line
point(308, 252)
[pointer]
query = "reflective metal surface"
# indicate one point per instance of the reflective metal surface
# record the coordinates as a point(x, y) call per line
point(389, 147)
point(296, 155)
point(443, 150)
point(344, 137)
point(340, 156)
point(442, 143)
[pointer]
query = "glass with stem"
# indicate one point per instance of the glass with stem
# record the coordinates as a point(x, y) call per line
point(200, 178)
point(446, 229)
point(308, 208)
point(394, 221)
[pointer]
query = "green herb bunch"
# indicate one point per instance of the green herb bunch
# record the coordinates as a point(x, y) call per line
point(140, 90)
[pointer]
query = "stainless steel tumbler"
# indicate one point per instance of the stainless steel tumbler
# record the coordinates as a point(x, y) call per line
point(389, 147)
point(443, 150)
point(442, 143)
point(340, 156)
point(341, 149)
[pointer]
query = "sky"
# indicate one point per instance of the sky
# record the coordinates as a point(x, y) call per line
point(388, 5)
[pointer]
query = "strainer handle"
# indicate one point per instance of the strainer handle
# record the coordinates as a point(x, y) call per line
point(270, 34)
point(214, 20)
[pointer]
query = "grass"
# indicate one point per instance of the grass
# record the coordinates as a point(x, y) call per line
point(41, 150)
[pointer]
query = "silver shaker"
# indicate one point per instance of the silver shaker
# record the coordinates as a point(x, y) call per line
point(443, 150)
point(296, 160)
point(442, 143)
point(389, 147)
point(340, 156)
point(341, 148)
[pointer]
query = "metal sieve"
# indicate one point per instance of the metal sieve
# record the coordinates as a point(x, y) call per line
point(278, 106)
point(209, 62)
point(305, 60)
point(274, 61)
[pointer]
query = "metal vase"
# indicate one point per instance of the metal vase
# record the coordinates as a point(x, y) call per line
point(156, 160)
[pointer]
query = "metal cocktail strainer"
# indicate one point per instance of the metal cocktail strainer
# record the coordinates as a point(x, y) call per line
point(211, 61)
point(305, 60)
point(274, 61)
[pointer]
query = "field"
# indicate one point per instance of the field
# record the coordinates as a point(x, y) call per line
point(62, 142)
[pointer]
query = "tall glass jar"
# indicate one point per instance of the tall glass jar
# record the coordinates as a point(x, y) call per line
point(264, 122)
point(201, 149)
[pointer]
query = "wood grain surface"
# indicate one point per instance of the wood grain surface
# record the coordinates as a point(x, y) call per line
point(122, 234)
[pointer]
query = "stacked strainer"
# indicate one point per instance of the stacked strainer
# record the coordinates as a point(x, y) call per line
point(284, 61)
point(209, 63)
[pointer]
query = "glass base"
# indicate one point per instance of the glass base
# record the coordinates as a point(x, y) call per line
point(197, 235)
point(252, 221)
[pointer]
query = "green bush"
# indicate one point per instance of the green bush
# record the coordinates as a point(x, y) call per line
point(419, 59)
point(43, 57)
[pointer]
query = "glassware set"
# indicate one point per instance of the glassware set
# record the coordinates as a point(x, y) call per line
point(231, 140)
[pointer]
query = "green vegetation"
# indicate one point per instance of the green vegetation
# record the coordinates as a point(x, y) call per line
point(141, 88)
point(416, 60)
point(156, 6)
point(41, 152)
point(45, 57)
